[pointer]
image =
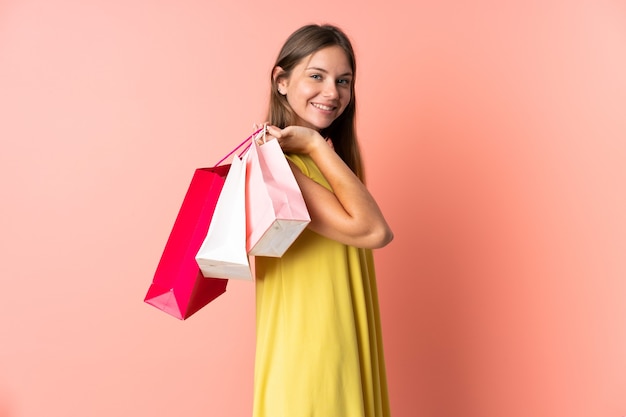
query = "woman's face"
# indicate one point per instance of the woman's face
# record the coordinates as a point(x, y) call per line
point(319, 88)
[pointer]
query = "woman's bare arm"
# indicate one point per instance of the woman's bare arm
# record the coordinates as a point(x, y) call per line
point(349, 214)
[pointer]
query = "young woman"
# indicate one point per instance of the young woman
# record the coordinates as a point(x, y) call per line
point(319, 343)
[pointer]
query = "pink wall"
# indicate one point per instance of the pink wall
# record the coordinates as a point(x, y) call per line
point(495, 141)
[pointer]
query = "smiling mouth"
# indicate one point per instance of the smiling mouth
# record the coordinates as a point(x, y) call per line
point(323, 107)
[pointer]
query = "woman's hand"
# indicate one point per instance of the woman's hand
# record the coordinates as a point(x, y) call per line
point(296, 139)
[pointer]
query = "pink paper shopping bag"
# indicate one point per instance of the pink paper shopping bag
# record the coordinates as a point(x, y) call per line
point(178, 287)
point(275, 209)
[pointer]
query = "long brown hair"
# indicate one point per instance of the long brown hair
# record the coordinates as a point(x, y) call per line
point(300, 44)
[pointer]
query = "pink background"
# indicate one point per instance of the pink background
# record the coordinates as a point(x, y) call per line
point(494, 137)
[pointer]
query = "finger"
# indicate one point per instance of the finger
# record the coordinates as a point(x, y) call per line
point(274, 131)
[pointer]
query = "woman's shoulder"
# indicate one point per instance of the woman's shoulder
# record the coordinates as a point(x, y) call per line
point(308, 167)
point(304, 163)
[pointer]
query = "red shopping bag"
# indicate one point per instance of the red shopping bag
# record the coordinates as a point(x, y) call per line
point(276, 213)
point(178, 287)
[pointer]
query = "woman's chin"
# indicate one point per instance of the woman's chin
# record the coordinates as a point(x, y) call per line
point(315, 123)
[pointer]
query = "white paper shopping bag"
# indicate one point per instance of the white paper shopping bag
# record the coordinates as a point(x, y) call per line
point(223, 251)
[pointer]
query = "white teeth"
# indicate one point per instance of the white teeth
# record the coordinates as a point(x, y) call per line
point(322, 107)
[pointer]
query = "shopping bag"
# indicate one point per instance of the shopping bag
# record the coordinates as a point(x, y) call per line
point(178, 288)
point(223, 251)
point(275, 209)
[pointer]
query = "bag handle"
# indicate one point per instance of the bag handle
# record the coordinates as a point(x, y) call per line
point(262, 131)
point(248, 139)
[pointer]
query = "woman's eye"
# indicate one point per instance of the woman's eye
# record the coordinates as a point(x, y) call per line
point(316, 76)
point(343, 82)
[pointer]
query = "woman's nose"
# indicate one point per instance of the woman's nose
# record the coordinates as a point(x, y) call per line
point(330, 89)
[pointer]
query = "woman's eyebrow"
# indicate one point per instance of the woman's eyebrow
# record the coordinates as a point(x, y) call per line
point(349, 73)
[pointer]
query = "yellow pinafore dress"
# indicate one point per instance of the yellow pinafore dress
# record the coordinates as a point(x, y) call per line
point(318, 343)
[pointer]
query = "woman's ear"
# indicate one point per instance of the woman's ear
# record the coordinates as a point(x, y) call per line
point(278, 75)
